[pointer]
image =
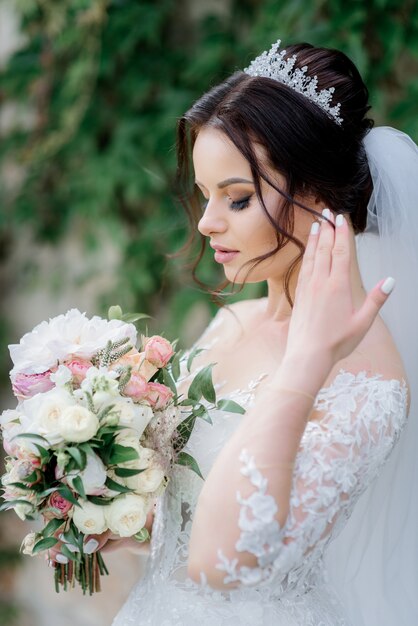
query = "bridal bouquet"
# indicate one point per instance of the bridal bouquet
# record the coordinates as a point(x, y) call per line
point(98, 427)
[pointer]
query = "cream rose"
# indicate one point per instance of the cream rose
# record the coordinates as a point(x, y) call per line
point(151, 478)
point(126, 515)
point(28, 543)
point(89, 518)
point(78, 424)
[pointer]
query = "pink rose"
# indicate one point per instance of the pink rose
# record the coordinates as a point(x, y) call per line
point(139, 364)
point(158, 350)
point(57, 506)
point(137, 387)
point(78, 368)
point(27, 385)
point(158, 395)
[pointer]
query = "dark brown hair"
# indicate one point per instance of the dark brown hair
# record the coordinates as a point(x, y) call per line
point(316, 156)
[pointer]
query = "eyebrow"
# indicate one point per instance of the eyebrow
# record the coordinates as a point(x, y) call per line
point(229, 181)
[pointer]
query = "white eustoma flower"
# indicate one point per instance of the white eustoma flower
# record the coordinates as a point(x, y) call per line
point(133, 416)
point(89, 518)
point(93, 476)
point(72, 334)
point(62, 376)
point(126, 515)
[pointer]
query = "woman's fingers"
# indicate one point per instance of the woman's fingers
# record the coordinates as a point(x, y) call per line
point(340, 266)
point(376, 298)
point(323, 258)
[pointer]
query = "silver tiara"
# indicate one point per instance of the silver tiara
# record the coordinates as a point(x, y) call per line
point(272, 64)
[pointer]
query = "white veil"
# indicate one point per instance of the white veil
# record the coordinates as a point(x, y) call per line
point(373, 563)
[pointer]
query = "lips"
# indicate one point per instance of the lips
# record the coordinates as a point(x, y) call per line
point(217, 247)
point(222, 254)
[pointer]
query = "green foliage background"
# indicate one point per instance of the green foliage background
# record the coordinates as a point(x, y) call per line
point(102, 83)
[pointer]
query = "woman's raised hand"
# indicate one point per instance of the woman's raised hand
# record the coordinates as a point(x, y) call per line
point(324, 320)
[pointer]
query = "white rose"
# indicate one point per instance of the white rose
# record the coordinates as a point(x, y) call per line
point(28, 543)
point(126, 515)
point(42, 413)
point(78, 424)
point(89, 518)
point(93, 476)
point(134, 416)
point(22, 509)
point(152, 476)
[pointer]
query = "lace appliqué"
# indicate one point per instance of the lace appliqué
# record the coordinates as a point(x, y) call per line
point(338, 457)
point(260, 533)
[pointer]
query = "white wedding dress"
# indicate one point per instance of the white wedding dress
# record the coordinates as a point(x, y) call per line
point(337, 460)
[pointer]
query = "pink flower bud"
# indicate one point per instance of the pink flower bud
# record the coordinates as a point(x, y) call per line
point(27, 385)
point(137, 387)
point(158, 350)
point(158, 395)
point(57, 506)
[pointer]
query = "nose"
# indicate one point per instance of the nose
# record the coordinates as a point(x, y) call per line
point(212, 220)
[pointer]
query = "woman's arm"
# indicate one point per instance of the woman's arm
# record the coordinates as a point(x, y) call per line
point(324, 328)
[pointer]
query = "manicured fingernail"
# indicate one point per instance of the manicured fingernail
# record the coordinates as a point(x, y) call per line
point(314, 228)
point(340, 220)
point(326, 213)
point(60, 558)
point(388, 285)
point(90, 546)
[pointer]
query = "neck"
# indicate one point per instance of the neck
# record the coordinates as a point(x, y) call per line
point(278, 307)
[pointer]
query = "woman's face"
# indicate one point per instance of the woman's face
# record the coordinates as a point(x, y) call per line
point(234, 219)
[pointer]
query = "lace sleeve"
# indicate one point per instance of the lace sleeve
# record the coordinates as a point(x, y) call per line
point(337, 459)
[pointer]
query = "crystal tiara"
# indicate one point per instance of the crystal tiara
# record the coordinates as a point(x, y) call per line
point(272, 64)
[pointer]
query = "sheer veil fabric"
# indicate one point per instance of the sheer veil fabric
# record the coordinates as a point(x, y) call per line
point(373, 564)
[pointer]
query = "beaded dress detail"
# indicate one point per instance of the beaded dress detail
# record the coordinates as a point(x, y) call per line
point(338, 458)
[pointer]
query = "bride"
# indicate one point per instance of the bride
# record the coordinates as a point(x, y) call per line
point(296, 194)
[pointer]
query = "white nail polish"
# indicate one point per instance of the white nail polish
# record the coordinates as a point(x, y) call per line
point(314, 228)
point(90, 546)
point(340, 220)
point(388, 285)
point(326, 213)
point(60, 558)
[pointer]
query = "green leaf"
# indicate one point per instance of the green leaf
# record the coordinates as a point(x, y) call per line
point(45, 454)
point(21, 486)
point(52, 527)
point(175, 366)
point(78, 455)
point(142, 536)
point(122, 454)
point(202, 385)
point(99, 501)
point(124, 472)
point(130, 318)
point(79, 487)
point(30, 436)
point(184, 430)
point(67, 494)
point(169, 381)
point(112, 484)
point(192, 356)
point(188, 461)
point(230, 406)
point(115, 312)
point(73, 556)
point(44, 544)
point(10, 504)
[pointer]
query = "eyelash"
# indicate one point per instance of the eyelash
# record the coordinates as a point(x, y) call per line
point(239, 205)
point(236, 205)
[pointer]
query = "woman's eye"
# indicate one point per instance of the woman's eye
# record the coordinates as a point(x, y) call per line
point(237, 205)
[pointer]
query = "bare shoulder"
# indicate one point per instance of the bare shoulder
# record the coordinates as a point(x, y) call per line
point(376, 354)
